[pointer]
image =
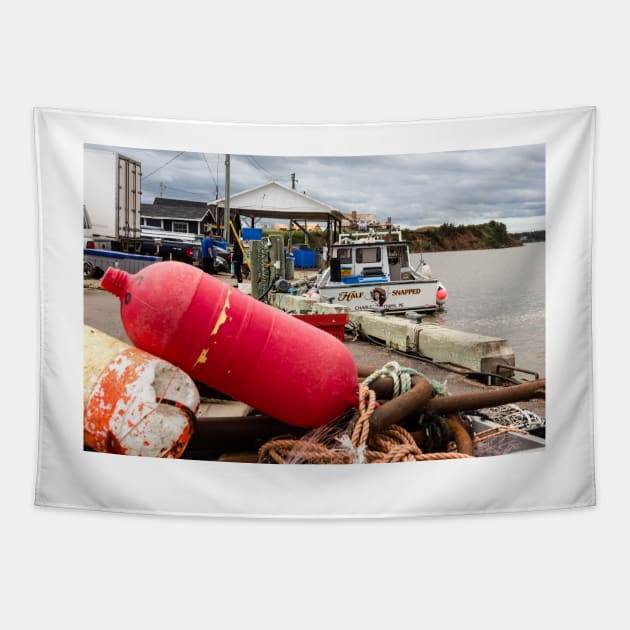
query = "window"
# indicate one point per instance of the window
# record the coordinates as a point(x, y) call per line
point(369, 255)
point(396, 254)
point(156, 223)
point(345, 255)
point(180, 226)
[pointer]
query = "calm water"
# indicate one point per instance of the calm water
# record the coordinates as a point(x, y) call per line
point(496, 292)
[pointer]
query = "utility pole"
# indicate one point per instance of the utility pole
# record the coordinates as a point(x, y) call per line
point(226, 217)
point(293, 181)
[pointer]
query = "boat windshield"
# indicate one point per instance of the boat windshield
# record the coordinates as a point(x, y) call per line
point(368, 255)
point(398, 255)
point(345, 255)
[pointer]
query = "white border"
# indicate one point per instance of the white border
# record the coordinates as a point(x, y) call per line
point(560, 476)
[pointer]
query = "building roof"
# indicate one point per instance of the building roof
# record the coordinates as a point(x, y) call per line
point(367, 216)
point(277, 200)
point(188, 211)
point(167, 201)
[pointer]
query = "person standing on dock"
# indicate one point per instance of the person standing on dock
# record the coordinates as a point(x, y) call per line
point(207, 253)
point(237, 259)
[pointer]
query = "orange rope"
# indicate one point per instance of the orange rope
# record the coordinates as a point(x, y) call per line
point(367, 404)
point(394, 444)
point(493, 432)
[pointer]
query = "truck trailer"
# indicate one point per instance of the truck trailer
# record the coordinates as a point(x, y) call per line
point(111, 199)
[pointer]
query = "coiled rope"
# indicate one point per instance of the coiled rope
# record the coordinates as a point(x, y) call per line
point(401, 377)
point(394, 444)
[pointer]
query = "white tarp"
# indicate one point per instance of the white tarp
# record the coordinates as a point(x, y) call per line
point(560, 475)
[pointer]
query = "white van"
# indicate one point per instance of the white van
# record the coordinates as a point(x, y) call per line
point(88, 235)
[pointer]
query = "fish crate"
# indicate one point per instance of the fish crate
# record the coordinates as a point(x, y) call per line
point(304, 258)
point(334, 323)
point(252, 234)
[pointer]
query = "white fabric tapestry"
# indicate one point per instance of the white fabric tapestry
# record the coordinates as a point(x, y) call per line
point(315, 321)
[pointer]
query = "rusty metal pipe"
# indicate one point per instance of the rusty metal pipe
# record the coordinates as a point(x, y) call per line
point(491, 398)
point(460, 436)
point(363, 371)
point(383, 386)
point(412, 402)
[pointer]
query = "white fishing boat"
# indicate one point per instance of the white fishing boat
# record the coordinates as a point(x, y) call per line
point(370, 273)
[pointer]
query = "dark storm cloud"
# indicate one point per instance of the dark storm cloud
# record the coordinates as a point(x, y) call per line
point(456, 187)
point(505, 184)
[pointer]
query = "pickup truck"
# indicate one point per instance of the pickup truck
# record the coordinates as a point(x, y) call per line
point(185, 252)
point(168, 250)
point(96, 259)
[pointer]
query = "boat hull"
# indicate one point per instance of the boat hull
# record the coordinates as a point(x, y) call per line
point(419, 295)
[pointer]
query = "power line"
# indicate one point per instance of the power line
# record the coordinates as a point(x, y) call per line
point(261, 168)
point(189, 192)
point(210, 171)
point(217, 174)
point(167, 187)
point(145, 177)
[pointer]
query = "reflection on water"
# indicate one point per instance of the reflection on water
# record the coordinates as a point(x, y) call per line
point(496, 292)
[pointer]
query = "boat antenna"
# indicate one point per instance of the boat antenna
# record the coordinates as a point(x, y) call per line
point(421, 261)
point(425, 269)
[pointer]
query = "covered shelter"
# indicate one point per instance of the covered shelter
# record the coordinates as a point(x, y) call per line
point(275, 200)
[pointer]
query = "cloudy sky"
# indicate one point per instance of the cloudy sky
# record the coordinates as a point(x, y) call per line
point(459, 187)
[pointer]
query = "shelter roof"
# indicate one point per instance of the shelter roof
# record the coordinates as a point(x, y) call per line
point(277, 200)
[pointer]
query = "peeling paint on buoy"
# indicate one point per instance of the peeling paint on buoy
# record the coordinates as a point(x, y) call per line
point(134, 402)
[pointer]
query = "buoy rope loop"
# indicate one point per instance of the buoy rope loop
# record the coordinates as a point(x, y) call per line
point(192, 418)
point(401, 377)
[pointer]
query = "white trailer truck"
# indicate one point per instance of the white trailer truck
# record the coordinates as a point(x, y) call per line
point(111, 199)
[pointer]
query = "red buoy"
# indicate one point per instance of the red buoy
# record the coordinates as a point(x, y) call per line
point(441, 295)
point(277, 364)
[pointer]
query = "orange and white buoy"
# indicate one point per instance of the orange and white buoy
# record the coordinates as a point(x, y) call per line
point(134, 403)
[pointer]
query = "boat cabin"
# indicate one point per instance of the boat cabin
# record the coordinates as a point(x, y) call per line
point(369, 274)
point(370, 261)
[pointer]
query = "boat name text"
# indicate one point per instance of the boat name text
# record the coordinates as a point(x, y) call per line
point(406, 292)
point(348, 296)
